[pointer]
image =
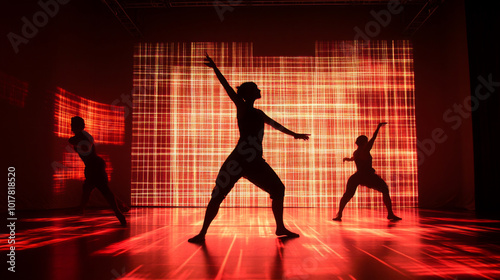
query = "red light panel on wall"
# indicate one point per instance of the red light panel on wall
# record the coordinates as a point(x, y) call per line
point(184, 124)
point(103, 121)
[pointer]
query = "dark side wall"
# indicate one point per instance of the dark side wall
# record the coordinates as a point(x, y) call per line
point(84, 50)
point(444, 125)
point(483, 29)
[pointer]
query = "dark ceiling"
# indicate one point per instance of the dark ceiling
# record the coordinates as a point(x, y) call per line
point(123, 9)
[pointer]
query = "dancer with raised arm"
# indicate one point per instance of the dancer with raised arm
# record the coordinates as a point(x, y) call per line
point(246, 159)
point(366, 176)
point(95, 168)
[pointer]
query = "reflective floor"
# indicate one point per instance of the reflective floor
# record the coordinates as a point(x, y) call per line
point(241, 245)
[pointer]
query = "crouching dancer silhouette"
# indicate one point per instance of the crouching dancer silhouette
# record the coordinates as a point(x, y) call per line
point(246, 159)
point(95, 167)
point(365, 175)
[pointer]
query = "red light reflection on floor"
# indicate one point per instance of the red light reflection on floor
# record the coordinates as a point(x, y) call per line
point(241, 245)
point(60, 230)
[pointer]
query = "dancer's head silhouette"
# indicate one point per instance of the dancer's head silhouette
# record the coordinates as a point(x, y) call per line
point(77, 124)
point(249, 91)
point(361, 140)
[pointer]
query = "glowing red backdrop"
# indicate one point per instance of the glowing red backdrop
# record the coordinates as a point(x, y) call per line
point(184, 125)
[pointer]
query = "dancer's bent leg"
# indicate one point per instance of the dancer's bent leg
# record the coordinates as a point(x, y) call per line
point(381, 186)
point(264, 177)
point(223, 184)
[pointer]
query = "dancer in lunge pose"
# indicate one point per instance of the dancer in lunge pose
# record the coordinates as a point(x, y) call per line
point(365, 175)
point(95, 168)
point(246, 159)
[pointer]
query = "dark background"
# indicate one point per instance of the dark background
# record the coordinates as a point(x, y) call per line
point(86, 51)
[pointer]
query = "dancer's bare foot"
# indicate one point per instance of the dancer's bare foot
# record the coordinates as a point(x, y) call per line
point(200, 238)
point(285, 232)
point(393, 218)
point(338, 218)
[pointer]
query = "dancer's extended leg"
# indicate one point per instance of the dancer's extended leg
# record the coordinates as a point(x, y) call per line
point(210, 214)
point(281, 230)
point(352, 185)
point(388, 205)
point(223, 185)
point(110, 198)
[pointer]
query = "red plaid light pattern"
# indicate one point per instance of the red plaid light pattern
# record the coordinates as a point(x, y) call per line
point(184, 124)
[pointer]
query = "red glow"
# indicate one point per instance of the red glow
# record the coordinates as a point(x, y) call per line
point(184, 124)
point(13, 90)
point(104, 122)
point(424, 245)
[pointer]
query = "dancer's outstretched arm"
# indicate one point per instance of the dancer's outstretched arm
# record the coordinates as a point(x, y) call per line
point(348, 159)
point(370, 143)
point(230, 91)
point(283, 129)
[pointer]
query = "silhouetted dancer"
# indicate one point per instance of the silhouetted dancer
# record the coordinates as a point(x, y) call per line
point(246, 159)
point(95, 167)
point(365, 175)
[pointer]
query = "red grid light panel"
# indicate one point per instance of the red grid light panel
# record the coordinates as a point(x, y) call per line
point(184, 124)
point(103, 121)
